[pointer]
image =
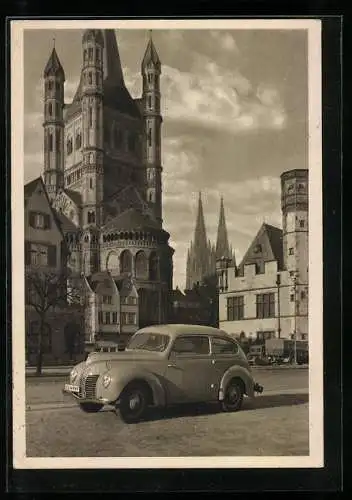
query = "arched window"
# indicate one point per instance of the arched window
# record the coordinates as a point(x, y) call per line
point(151, 196)
point(149, 137)
point(50, 109)
point(126, 262)
point(69, 145)
point(50, 141)
point(78, 140)
point(153, 267)
point(90, 183)
point(112, 262)
point(50, 85)
point(141, 266)
point(91, 217)
point(149, 101)
point(90, 117)
point(90, 78)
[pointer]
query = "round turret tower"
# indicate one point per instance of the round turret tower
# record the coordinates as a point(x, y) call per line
point(54, 79)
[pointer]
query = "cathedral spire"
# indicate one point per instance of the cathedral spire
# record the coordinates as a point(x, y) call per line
point(222, 242)
point(200, 234)
point(151, 56)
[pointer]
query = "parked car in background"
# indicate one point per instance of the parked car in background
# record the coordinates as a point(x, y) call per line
point(164, 365)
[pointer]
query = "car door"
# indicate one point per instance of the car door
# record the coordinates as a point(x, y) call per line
point(189, 370)
point(225, 353)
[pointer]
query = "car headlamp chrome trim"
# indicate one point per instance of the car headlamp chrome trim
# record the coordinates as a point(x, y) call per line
point(106, 380)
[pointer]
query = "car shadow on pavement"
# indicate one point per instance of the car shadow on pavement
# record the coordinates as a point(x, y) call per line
point(260, 402)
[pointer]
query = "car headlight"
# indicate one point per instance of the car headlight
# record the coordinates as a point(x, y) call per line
point(106, 380)
point(73, 374)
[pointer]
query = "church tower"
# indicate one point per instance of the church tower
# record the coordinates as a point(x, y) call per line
point(222, 248)
point(151, 71)
point(92, 146)
point(54, 79)
point(199, 258)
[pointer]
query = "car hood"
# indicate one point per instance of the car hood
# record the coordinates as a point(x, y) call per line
point(98, 357)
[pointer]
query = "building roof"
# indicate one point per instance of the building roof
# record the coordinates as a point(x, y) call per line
point(266, 247)
point(131, 219)
point(53, 66)
point(30, 187)
point(151, 55)
point(65, 223)
point(75, 196)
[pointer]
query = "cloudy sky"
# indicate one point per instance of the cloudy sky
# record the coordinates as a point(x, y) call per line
point(235, 117)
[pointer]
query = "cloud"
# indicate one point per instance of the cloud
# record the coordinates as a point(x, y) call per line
point(214, 97)
point(225, 41)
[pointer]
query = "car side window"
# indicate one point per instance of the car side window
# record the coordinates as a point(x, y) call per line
point(191, 345)
point(223, 346)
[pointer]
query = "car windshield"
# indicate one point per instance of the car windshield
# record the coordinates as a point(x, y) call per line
point(148, 342)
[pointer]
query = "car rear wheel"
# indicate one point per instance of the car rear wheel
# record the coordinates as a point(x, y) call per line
point(90, 407)
point(233, 396)
point(133, 403)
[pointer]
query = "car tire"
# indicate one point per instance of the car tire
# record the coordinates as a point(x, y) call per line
point(134, 403)
point(233, 397)
point(90, 407)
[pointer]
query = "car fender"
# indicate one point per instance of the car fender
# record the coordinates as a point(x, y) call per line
point(237, 372)
point(119, 380)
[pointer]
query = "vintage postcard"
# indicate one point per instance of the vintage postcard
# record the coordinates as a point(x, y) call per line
point(166, 188)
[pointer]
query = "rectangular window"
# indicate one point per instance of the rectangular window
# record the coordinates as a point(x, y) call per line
point(291, 251)
point(50, 140)
point(90, 52)
point(131, 318)
point(265, 305)
point(38, 254)
point(90, 117)
point(114, 318)
point(193, 344)
point(131, 300)
point(301, 223)
point(149, 137)
point(90, 80)
point(149, 101)
point(292, 297)
point(107, 318)
point(123, 318)
point(100, 317)
point(303, 294)
point(235, 308)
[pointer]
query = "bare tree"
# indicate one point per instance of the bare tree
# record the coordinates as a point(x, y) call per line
point(46, 291)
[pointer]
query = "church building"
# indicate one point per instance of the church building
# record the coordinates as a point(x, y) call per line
point(103, 175)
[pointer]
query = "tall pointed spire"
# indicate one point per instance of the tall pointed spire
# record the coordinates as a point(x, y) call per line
point(113, 74)
point(222, 242)
point(200, 234)
point(151, 54)
point(53, 66)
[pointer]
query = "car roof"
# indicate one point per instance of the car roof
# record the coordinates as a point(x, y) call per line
point(173, 330)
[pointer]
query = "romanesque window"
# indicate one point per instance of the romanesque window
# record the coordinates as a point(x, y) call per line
point(78, 142)
point(153, 267)
point(69, 145)
point(141, 266)
point(126, 262)
point(265, 305)
point(58, 140)
point(91, 217)
point(235, 308)
point(90, 117)
point(50, 142)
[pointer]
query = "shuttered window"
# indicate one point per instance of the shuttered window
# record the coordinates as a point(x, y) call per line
point(39, 220)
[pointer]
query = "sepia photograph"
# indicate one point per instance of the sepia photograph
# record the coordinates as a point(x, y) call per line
point(167, 243)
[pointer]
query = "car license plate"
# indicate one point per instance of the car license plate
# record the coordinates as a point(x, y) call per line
point(71, 388)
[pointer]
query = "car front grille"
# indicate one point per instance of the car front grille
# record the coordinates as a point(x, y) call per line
point(87, 385)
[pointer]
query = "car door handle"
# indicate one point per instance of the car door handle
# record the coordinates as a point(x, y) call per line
point(171, 365)
point(213, 361)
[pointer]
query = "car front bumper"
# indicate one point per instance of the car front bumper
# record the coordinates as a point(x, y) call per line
point(258, 388)
point(79, 399)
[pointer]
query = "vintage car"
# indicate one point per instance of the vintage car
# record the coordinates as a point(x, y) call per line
point(165, 365)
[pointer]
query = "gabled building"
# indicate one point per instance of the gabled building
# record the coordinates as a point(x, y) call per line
point(266, 296)
point(112, 314)
point(45, 258)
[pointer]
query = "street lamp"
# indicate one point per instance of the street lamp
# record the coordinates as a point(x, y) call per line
point(295, 283)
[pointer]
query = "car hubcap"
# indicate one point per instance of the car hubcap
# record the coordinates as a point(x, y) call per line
point(135, 402)
point(233, 395)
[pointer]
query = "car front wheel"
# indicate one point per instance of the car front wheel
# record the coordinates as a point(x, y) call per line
point(233, 396)
point(90, 407)
point(133, 403)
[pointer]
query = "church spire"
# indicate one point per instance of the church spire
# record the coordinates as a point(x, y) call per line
point(222, 242)
point(151, 57)
point(200, 234)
